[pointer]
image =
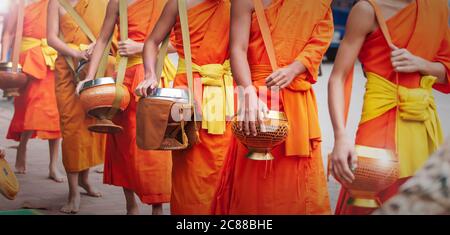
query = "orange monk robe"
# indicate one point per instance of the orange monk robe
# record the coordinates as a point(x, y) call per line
point(35, 109)
point(147, 173)
point(196, 170)
point(81, 149)
point(293, 183)
point(430, 21)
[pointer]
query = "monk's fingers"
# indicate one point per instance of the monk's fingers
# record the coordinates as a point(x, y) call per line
point(252, 118)
point(247, 125)
point(353, 161)
point(123, 52)
point(336, 172)
point(285, 83)
point(272, 76)
point(137, 91)
point(276, 80)
point(261, 118)
point(393, 47)
point(346, 172)
point(406, 69)
point(399, 52)
point(84, 55)
point(253, 130)
point(144, 90)
point(79, 86)
point(340, 171)
point(400, 63)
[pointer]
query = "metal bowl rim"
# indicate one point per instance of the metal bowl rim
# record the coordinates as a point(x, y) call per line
point(97, 82)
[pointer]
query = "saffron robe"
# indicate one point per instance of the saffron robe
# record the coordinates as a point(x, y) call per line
point(196, 170)
point(420, 20)
point(81, 149)
point(147, 173)
point(294, 182)
point(35, 109)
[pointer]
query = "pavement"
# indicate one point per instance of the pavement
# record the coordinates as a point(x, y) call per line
point(38, 192)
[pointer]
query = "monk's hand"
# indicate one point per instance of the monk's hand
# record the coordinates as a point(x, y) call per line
point(404, 61)
point(253, 113)
point(81, 83)
point(283, 77)
point(81, 55)
point(90, 49)
point(147, 85)
point(343, 160)
point(129, 47)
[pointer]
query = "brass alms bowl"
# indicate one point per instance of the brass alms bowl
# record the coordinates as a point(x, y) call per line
point(276, 131)
point(11, 81)
point(97, 97)
point(377, 169)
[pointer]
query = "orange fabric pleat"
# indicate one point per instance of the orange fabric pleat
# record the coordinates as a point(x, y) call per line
point(35, 109)
point(293, 183)
point(429, 19)
point(196, 170)
point(147, 173)
point(81, 149)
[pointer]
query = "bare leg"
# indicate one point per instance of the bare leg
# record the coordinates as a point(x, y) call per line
point(157, 209)
point(21, 157)
point(132, 208)
point(54, 173)
point(83, 182)
point(73, 203)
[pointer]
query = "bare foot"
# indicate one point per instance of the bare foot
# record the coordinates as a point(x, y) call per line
point(55, 176)
point(90, 190)
point(20, 168)
point(72, 206)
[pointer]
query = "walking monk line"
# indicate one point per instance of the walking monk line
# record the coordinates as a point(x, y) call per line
point(196, 170)
point(294, 182)
point(81, 149)
point(411, 127)
point(144, 173)
point(35, 110)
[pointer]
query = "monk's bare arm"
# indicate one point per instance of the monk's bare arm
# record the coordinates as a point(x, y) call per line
point(436, 69)
point(53, 31)
point(241, 13)
point(151, 47)
point(360, 23)
point(9, 31)
point(106, 33)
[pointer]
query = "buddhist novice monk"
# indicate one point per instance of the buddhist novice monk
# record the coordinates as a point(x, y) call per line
point(81, 148)
point(35, 110)
point(399, 113)
point(196, 170)
point(144, 173)
point(294, 182)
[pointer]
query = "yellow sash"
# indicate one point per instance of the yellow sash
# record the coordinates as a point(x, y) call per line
point(49, 53)
point(419, 131)
point(218, 94)
point(168, 72)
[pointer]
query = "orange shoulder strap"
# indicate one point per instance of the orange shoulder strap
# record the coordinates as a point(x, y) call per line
point(266, 34)
point(381, 22)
